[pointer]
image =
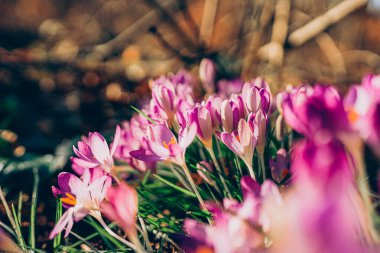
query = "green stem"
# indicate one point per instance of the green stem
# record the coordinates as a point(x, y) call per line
point(192, 184)
point(262, 166)
point(214, 160)
point(179, 176)
point(116, 236)
point(33, 208)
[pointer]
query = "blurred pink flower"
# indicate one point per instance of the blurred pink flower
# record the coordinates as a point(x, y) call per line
point(238, 227)
point(121, 207)
point(207, 73)
point(94, 152)
point(279, 166)
point(80, 197)
point(316, 112)
point(362, 104)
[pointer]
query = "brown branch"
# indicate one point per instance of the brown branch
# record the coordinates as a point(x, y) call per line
point(333, 55)
point(273, 51)
point(320, 23)
point(144, 23)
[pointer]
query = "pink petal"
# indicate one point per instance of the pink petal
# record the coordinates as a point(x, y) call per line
point(99, 147)
point(83, 163)
point(143, 155)
point(116, 140)
point(230, 141)
point(68, 182)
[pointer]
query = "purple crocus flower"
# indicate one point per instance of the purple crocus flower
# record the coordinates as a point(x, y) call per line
point(131, 137)
point(80, 196)
point(260, 121)
point(228, 87)
point(242, 142)
point(207, 72)
point(279, 166)
point(238, 227)
point(362, 104)
point(256, 95)
point(231, 113)
point(316, 112)
point(94, 152)
point(323, 212)
point(200, 117)
point(161, 144)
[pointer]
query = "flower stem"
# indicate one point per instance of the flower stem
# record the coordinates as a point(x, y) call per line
point(250, 169)
point(212, 154)
point(191, 181)
point(129, 244)
point(262, 165)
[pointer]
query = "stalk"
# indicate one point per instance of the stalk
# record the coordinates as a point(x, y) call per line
point(212, 154)
point(110, 231)
point(262, 165)
point(192, 184)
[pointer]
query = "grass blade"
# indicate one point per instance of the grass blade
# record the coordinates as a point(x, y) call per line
point(189, 193)
point(19, 207)
point(58, 215)
point(143, 114)
point(33, 208)
point(20, 239)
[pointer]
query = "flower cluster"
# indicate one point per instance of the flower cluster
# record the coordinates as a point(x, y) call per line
point(262, 187)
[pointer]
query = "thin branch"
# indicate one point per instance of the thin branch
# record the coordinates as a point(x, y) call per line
point(320, 23)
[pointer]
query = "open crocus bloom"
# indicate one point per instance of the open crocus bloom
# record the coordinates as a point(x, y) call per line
point(94, 152)
point(315, 111)
point(242, 142)
point(162, 144)
point(362, 104)
point(80, 197)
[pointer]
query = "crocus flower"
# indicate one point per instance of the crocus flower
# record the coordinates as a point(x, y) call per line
point(121, 207)
point(228, 87)
point(256, 95)
point(231, 113)
point(279, 166)
point(238, 227)
point(80, 197)
point(260, 121)
point(201, 118)
point(323, 212)
point(362, 104)
point(94, 152)
point(131, 139)
point(162, 145)
point(316, 112)
point(213, 104)
point(207, 72)
point(242, 142)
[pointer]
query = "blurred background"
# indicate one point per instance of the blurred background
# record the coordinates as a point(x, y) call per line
point(69, 67)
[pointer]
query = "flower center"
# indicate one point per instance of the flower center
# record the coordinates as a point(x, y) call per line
point(353, 116)
point(69, 199)
point(171, 142)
